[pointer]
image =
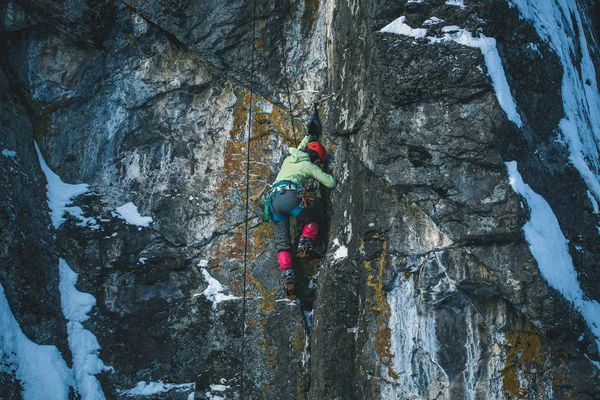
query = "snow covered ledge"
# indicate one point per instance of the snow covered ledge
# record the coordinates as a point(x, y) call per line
point(60, 196)
point(214, 290)
point(83, 344)
point(487, 45)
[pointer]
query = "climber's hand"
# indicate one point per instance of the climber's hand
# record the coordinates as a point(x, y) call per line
point(314, 128)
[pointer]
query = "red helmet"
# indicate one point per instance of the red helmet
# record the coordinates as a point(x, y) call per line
point(319, 149)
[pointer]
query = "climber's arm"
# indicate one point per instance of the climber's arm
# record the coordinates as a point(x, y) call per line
point(322, 177)
point(307, 139)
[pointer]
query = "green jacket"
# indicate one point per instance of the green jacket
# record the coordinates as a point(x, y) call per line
point(298, 168)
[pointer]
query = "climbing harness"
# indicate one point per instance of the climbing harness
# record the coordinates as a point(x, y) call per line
point(277, 188)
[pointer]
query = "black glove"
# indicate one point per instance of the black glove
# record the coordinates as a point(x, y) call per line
point(314, 126)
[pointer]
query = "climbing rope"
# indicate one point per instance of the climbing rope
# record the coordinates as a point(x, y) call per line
point(243, 349)
point(247, 214)
point(285, 70)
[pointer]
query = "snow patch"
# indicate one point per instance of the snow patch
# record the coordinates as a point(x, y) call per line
point(551, 251)
point(9, 153)
point(346, 173)
point(82, 343)
point(148, 389)
point(433, 21)
point(219, 388)
point(450, 29)
point(456, 3)
point(593, 201)
point(129, 212)
point(341, 252)
point(214, 291)
point(534, 47)
point(594, 363)
point(41, 369)
point(60, 195)
point(400, 27)
point(308, 317)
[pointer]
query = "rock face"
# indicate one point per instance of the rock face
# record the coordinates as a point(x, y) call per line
point(429, 286)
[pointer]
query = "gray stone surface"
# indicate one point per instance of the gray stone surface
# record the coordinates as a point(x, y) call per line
point(426, 289)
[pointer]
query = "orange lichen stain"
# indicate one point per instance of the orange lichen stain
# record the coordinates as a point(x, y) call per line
point(375, 380)
point(266, 302)
point(232, 184)
point(278, 122)
point(524, 360)
point(259, 37)
point(271, 358)
point(237, 172)
point(301, 395)
point(331, 147)
point(266, 389)
point(262, 343)
point(378, 303)
point(298, 343)
point(261, 236)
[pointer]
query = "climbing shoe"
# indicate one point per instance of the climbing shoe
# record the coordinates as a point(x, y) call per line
point(305, 248)
point(289, 282)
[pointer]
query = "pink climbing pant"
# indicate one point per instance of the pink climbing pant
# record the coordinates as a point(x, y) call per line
point(311, 230)
point(285, 259)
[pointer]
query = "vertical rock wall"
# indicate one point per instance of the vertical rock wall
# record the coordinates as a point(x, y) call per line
point(29, 273)
point(441, 296)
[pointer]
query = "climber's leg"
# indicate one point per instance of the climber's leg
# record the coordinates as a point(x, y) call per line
point(309, 234)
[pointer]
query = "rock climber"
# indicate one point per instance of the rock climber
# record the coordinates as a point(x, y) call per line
point(286, 199)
